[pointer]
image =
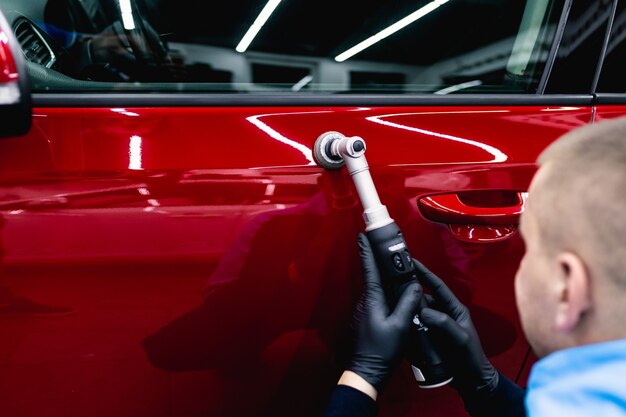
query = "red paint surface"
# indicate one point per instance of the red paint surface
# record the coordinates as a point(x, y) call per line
point(609, 112)
point(449, 208)
point(209, 269)
point(8, 70)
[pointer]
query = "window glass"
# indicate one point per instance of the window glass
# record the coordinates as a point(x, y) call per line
point(302, 47)
point(614, 66)
point(580, 47)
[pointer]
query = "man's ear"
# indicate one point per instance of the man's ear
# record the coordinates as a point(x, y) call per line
point(575, 292)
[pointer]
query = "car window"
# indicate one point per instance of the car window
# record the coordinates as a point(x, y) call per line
point(274, 46)
point(580, 48)
point(613, 69)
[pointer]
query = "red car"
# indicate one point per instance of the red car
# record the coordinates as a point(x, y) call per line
point(170, 247)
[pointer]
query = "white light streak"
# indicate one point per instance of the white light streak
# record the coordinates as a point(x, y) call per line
point(269, 189)
point(400, 24)
point(308, 154)
point(303, 82)
point(458, 87)
point(498, 155)
point(562, 109)
point(134, 153)
point(127, 15)
point(124, 112)
point(9, 93)
point(265, 14)
point(430, 113)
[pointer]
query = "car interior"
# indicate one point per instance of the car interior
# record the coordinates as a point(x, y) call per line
point(124, 45)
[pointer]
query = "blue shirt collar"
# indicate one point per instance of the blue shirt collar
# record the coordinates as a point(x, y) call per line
point(585, 381)
point(573, 361)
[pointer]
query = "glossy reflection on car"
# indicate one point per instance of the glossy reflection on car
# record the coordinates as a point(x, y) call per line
point(170, 248)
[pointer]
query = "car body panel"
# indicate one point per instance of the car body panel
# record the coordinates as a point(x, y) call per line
point(609, 111)
point(198, 256)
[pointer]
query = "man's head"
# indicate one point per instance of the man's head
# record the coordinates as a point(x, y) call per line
point(571, 285)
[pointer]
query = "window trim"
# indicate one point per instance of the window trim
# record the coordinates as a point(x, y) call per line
point(556, 42)
point(299, 100)
point(610, 98)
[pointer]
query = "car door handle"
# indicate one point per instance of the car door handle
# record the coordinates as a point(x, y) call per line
point(449, 208)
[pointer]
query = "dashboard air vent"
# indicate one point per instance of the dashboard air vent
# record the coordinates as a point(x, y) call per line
point(35, 48)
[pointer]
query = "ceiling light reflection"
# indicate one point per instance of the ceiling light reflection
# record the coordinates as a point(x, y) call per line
point(400, 24)
point(124, 112)
point(302, 83)
point(565, 108)
point(134, 153)
point(498, 155)
point(127, 15)
point(257, 25)
point(458, 87)
point(9, 93)
point(307, 152)
point(269, 189)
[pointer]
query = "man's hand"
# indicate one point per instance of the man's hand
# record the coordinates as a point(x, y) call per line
point(451, 322)
point(379, 333)
point(111, 47)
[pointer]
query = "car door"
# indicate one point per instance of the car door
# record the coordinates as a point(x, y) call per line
point(170, 246)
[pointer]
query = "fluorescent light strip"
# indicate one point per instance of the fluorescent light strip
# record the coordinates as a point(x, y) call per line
point(265, 14)
point(127, 15)
point(302, 83)
point(458, 87)
point(418, 14)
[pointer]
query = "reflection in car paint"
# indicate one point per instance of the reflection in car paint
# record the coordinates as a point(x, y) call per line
point(559, 120)
point(562, 108)
point(134, 153)
point(498, 155)
point(124, 112)
point(306, 151)
point(481, 233)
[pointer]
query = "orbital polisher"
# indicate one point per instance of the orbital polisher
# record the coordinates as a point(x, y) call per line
point(333, 150)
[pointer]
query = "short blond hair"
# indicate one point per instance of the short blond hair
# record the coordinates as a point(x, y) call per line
point(581, 206)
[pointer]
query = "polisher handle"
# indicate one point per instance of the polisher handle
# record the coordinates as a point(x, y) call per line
point(397, 270)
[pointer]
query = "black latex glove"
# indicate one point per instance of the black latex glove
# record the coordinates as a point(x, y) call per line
point(474, 376)
point(379, 332)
